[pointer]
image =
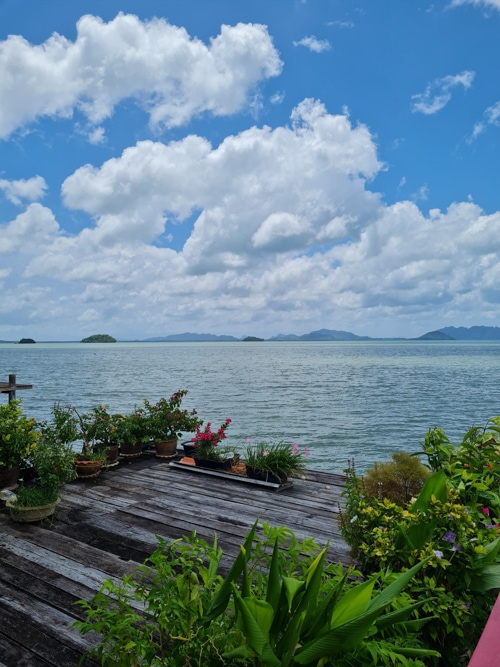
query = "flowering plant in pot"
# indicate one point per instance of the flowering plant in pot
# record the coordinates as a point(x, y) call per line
point(52, 459)
point(206, 444)
point(167, 421)
point(18, 434)
point(275, 462)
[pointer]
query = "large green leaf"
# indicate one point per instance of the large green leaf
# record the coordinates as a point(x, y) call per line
point(352, 633)
point(487, 579)
point(253, 613)
point(435, 485)
point(292, 587)
point(273, 578)
point(354, 603)
point(417, 536)
point(221, 598)
point(491, 554)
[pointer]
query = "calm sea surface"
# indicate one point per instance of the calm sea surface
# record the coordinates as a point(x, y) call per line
point(343, 399)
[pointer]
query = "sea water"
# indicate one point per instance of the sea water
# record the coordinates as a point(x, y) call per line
point(344, 400)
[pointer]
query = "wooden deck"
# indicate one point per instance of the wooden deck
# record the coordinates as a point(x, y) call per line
point(107, 526)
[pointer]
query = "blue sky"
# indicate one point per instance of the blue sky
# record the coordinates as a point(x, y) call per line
point(248, 168)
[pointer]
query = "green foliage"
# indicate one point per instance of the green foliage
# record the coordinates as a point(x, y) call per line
point(18, 434)
point(398, 480)
point(52, 460)
point(166, 419)
point(279, 459)
point(280, 604)
point(453, 523)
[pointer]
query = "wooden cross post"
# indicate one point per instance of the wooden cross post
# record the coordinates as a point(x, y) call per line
point(11, 387)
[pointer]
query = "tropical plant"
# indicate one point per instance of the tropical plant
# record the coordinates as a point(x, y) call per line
point(18, 434)
point(52, 461)
point(166, 420)
point(280, 459)
point(281, 607)
point(206, 442)
point(454, 523)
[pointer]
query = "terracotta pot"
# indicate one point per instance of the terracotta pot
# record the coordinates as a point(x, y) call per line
point(112, 454)
point(28, 514)
point(9, 478)
point(89, 468)
point(166, 449)
point(131, 449)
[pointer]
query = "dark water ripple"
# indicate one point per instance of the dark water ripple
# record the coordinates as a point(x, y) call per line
point(344, 400)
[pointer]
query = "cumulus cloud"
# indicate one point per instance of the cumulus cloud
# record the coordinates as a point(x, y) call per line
point(313, 44)
point(30, 231)
point(257, 191)
point(29, 189)
point(438, 93)
point(170, 74)
point(287, 231)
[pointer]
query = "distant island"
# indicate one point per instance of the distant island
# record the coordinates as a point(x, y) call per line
point(99, 338)
point(25, 341)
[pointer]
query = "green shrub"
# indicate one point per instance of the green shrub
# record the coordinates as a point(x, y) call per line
point(454, 522)
point(398, 480)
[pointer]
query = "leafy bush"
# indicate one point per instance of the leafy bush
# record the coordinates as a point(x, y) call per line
point(280, 604)
point(398, 480)
point(453, 522)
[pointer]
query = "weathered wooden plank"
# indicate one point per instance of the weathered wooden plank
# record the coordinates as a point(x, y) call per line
point(74, 549)
point(16, 655)
point(30, 645)
point(54, 623)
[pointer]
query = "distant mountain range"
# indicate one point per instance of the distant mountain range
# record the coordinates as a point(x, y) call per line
point(447, 333)
point(462, 333)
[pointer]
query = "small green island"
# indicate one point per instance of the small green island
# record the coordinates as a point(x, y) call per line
point(99, 338)
point(26, 341)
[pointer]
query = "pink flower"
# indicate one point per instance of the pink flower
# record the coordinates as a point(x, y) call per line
point(265, 452)
point(307, 452)
point(485, 511)
point(249, 439)
point(295, 449)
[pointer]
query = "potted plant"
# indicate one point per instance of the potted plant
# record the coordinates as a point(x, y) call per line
point(18, 434)
point(52, 460)
point(131, 432)
point(101, 428)
point(207, 452)
point(72, 425)
point(275, 462)
point(167, 421)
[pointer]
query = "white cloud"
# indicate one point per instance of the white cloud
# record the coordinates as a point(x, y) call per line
point(491, 117)
point(30, 231)
point(29, 189)
point(313, 44)
point(287, 235)
point(495, 4)
point(438, 93)
point(341, 24)
point(172, 75)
